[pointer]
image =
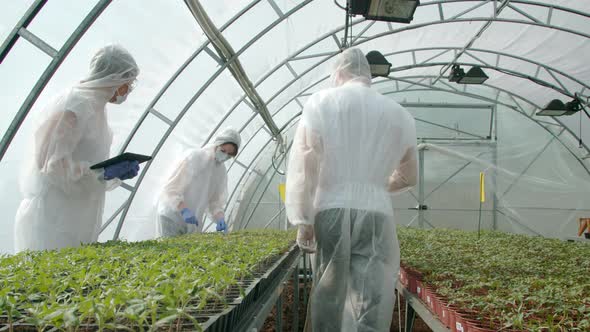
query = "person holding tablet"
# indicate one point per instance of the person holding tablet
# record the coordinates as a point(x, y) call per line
point(63, 197)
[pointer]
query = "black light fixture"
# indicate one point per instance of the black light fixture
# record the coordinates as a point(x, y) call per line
point(401, 11)
point(379, 65)
point(456, 73)
point(557, 108)
point(475, 75)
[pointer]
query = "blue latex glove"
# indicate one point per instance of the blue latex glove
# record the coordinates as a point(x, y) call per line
point(132, 173)
point(221, 226)
point(189, 217)
point(123, 170)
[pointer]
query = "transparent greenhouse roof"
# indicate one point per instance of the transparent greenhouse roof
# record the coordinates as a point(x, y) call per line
point(532, 51)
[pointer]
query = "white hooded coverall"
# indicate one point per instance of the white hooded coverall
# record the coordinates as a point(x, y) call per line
point(352, 149)
point(200, 182)
point(63, 199)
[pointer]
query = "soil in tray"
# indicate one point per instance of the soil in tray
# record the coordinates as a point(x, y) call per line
point(270, 324)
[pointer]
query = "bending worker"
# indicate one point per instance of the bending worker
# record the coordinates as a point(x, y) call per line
point(199, 181)
point(63, 198)
point(352, 149)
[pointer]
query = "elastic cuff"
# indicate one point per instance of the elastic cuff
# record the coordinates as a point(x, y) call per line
point(299, 222)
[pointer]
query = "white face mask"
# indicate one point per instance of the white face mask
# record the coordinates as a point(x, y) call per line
point(221, 156)
point(120, 99)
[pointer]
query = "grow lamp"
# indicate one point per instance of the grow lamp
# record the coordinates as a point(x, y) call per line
point(401, 11)
point(474, 76)
point(379, 65)
point(557, 108)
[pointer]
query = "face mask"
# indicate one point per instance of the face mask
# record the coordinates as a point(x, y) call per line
point(120, 99)
point(221, 156)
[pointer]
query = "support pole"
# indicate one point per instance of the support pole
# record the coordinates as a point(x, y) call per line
point(421, 189)
point(296, 301)
point(495, 189)
point(279, 313)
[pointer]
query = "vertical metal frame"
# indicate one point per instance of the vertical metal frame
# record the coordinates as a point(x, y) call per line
point(421, 204)
point(24, 22)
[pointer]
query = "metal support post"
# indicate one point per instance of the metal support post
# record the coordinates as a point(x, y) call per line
point(421, 189)
point(296, 301)
point(410, 317)
point(495, 193)
point(495, 178)
point(305, 279)
point(279, 313)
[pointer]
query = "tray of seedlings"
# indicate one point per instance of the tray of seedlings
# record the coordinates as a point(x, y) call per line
point(196, 282)
point(498, 281)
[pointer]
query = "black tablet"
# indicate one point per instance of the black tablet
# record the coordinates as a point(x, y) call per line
point(127, 156)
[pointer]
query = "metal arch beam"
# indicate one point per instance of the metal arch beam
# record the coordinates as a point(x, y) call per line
point(502, 70)
point(176, 74)
point(502, 54)
point(24, 22)
point(476, 97)
point(509, 93)
point(497, 11)
point(472, 96)
point(320, 80)
point(226, 52)
point(512, 107)
point(334, 53)
point(63, 52)
point(191, 102)
point(524, 2)
point(474, 19)
point(325, 59)
point(329, 34)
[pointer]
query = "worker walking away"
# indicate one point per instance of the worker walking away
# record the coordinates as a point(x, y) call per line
point(63, 198)
point(353, 148)
point(198, 183)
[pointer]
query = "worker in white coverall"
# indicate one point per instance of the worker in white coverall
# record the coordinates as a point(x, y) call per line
point(198, 183)
point(352, 149)
point(63, 198)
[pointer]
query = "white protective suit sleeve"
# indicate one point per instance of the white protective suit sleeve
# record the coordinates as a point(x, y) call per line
point(406, 175)
point(55, 141)
point(174, 189)
point(303, 169)
point(218, 197)
point(70, 118)
point(63, 200)
point(198, 182)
